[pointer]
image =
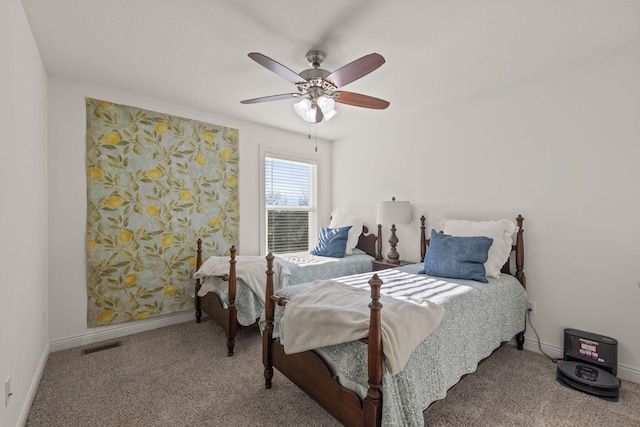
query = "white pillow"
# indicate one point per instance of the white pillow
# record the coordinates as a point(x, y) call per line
point(501, 231)
point(342, 219)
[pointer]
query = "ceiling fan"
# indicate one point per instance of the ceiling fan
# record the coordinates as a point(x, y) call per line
point(319, 88)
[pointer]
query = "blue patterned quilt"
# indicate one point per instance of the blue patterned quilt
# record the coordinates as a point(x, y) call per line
point(478, 317)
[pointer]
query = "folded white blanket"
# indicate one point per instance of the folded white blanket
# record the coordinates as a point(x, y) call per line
point(330, 313)
point(250, 269)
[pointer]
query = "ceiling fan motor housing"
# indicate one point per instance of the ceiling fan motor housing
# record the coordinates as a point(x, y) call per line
point(316, 57)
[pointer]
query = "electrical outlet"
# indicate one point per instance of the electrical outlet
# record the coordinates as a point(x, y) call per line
point(7, 391)
point(531, 305)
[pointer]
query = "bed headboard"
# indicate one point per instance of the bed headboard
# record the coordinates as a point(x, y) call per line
point(368, 242)
point(518, 248)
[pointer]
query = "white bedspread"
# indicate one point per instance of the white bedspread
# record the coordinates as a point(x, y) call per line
point(343, 313)
point(249, 269)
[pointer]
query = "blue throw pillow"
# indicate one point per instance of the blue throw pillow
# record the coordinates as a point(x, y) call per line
point(457, 257)
point(332, 242)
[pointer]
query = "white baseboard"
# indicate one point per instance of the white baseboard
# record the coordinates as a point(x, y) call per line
point(115, 331)
point(33, 387)
point(625, 372)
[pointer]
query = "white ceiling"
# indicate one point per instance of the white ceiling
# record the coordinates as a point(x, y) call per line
point(194, 53)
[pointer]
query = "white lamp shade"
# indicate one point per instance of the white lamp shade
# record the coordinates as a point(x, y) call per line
point(394, 212)
point(326, 104)
point(304, 110)
point(329, 115)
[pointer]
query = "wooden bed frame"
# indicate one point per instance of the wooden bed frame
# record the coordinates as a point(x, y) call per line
point(227, 317)
point(311, 374)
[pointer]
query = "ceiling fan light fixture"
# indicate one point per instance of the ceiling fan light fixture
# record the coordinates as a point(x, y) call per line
point(304, 109)
point(327, 105)
point(307, 111)
point(329, 115)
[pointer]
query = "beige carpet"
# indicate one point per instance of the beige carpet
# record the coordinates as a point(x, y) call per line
point(180, 376)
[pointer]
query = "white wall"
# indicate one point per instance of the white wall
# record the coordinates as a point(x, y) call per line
point(563, 150)
point(23, 213)
point(67, 194)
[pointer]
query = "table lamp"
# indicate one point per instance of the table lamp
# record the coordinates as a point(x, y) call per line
point(393, 212)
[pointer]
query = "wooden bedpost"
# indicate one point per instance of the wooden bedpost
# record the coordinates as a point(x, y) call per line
point(423, 239)
point(372, 404)
point(198, 284)
point(233, 310)
point(520, 253)
point(267, 334)
point(379, 244)
point(520, 271)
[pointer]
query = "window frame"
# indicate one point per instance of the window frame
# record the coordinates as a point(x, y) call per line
point(266, 152)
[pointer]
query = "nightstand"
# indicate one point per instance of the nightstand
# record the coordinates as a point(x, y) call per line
point(384, 264)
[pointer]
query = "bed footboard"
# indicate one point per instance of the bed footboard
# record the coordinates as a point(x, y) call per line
point(311, 374)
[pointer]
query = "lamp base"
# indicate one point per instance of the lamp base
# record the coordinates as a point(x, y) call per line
point(393, 257)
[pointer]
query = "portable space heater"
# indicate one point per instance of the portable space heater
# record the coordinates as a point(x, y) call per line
point(590, 364)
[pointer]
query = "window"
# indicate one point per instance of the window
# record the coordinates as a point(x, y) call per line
point(290, 204)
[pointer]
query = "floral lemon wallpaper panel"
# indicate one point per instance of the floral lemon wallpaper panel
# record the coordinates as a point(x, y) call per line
point(155, 184)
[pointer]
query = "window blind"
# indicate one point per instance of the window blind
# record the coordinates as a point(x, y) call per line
point(290, 203)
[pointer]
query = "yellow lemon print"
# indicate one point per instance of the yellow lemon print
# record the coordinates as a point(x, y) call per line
point(185, 195)
point(142, 315)
point(152, 211)
point(130, 280)
point(208, 136)
point(167, 240)
point(105, 316)
point(201, 160)
point(104, 104)
point(170, 290)
point(91, 244)
point(191, 262)
point(161, 128)
point(112, 137)
point(115, 202)
point(225, 154)
point(232, 181)
point(154, 173)
point(95, 173)
point(125, 236)
point(214, 221)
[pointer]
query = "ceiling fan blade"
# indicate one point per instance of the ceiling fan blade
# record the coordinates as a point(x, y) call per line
point(355, 70)
point(360, 100)
point(276, 67)
point(270, 98)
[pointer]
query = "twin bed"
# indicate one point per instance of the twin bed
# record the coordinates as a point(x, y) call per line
point(231, 290)
point(352, 381)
